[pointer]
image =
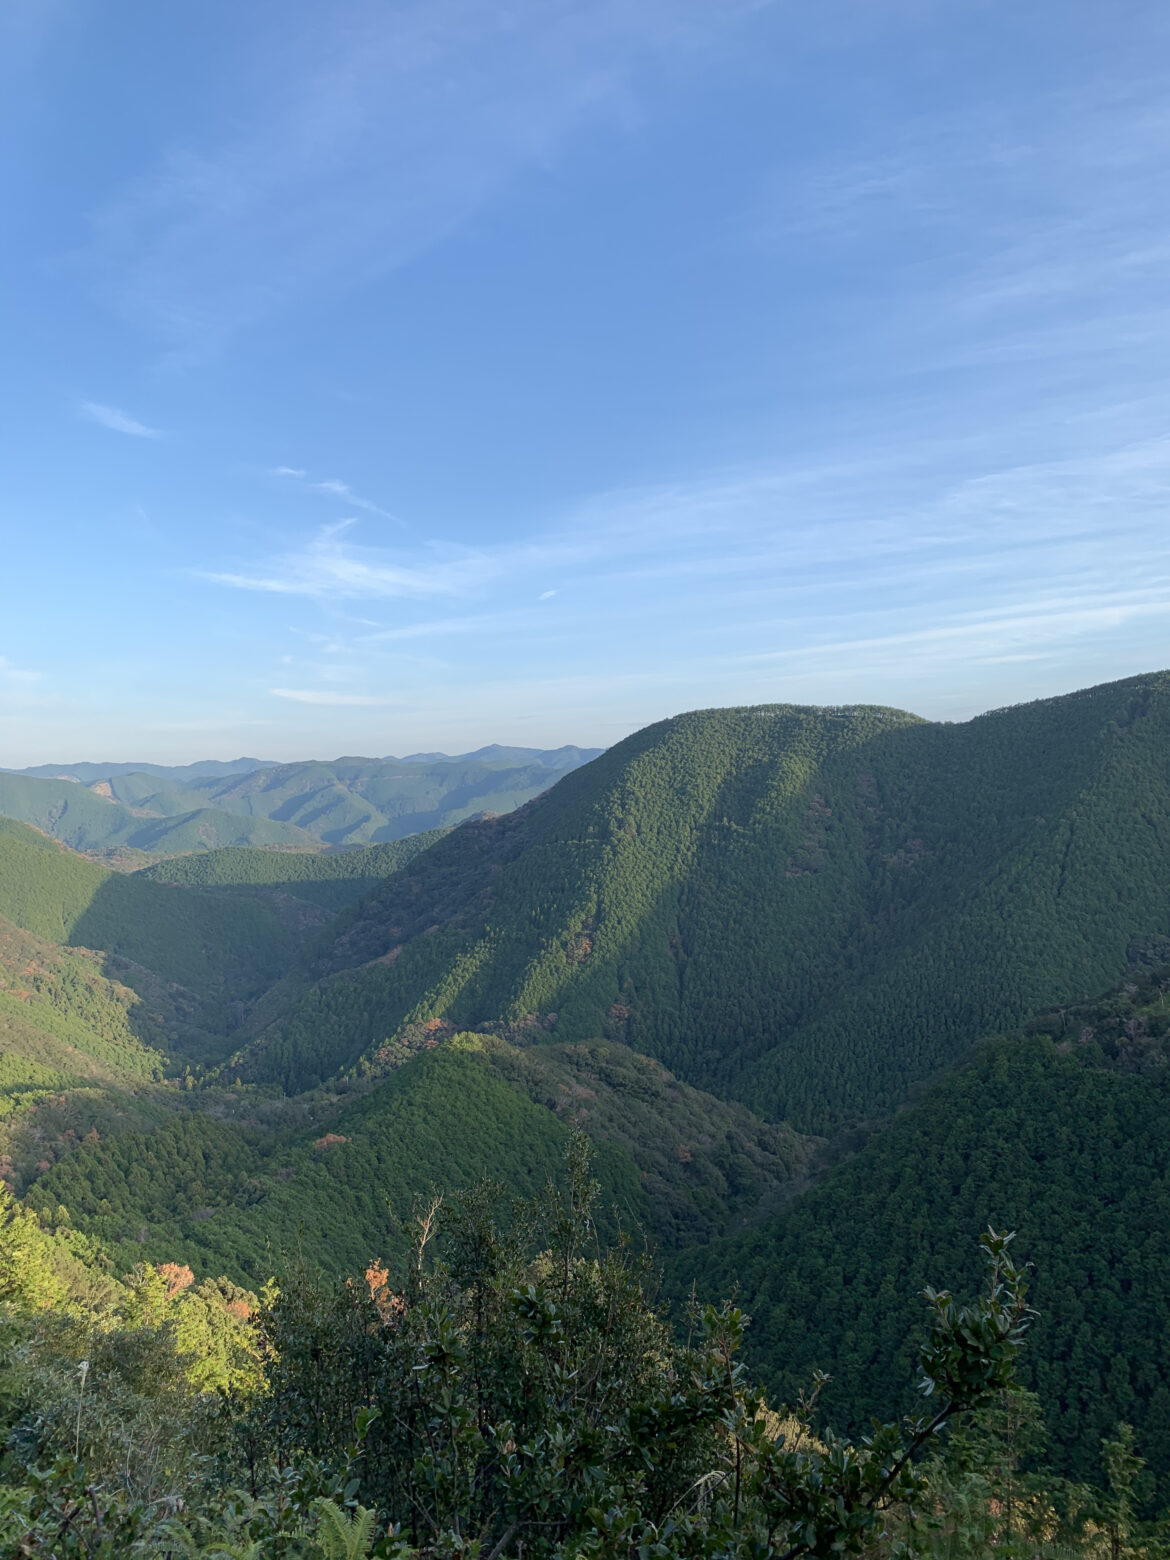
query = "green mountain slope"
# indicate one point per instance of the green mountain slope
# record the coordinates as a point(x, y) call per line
point(329, 879)
point(358, 801)
point(704, 1163)
point(78, 1052)
point(89, 820)
point(223, 1198)
point(220, 1193)
point(1062, 1135)
point(219, 947)
point(810, 910)
point(57, 1009)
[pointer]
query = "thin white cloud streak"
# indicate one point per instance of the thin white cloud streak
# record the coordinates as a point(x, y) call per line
point(343, 155)
point(990, 633)
point(327, 567)
point(1020, 170)
point(1030, 231)
point(327, 696)
point(770, 524)
point(333, 487)
point(117, 421)
point(830, 581)
point(10, 673)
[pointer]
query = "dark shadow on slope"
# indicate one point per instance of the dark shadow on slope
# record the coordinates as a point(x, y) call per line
point(197, 958)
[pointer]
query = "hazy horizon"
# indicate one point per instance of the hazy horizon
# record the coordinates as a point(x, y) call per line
point(454, 750)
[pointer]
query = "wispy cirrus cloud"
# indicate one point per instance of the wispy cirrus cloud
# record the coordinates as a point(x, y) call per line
point(332, 567)
point(333, 487)
point(327, 696)
point(338, 158)
point(1014, 633)
point(824, 564)
point(117, 421)
point(1027, 230)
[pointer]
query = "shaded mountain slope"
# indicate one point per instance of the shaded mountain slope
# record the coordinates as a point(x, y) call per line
point(74, 1053)
point(217, 946)
point(1062, 1134)
point(331, 879)
point(704, 1163)
point(810, 910)
point(80, 1053)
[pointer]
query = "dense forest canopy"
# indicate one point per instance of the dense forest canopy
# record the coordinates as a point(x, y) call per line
point(832, 991)
point(809, 910)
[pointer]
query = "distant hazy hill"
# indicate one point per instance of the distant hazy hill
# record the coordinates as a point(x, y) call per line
point(547, 758)
point(359, 801)
point(808, 909)
point(216, 768)
point(350, 801)
point(95, 820)
point(179, 773)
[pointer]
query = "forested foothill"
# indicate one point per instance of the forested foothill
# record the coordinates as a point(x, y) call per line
point(569, 1180)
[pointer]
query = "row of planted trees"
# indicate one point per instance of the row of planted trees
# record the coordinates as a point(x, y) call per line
point(512, 1393)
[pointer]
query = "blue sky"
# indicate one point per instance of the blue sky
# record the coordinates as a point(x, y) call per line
point(424, 373)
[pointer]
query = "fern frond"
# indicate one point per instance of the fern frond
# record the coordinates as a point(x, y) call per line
point(342, 1537)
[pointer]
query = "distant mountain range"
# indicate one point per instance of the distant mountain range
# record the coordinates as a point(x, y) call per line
point(212, 804)
point(88, 774)
point(218, 768)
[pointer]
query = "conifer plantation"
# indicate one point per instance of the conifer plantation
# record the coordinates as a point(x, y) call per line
point(755, 1143)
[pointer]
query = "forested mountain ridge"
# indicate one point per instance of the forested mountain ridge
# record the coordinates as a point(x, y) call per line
point(307, 806)
point(88, 773)
point(95, 820)
point(807, 909)
point(358, 801)
point(735, 949)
